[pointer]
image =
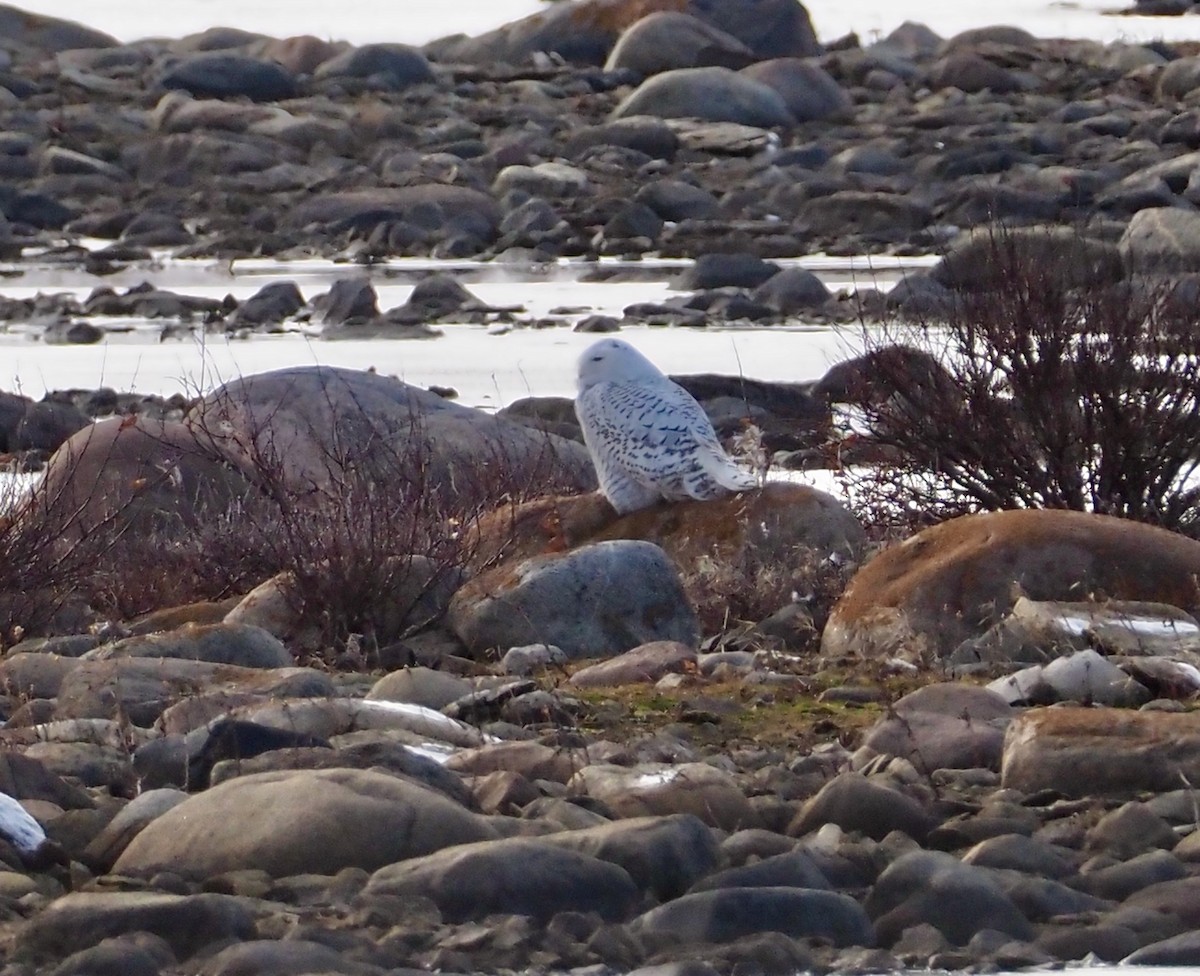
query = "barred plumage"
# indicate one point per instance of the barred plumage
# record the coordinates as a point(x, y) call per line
point(648, 437)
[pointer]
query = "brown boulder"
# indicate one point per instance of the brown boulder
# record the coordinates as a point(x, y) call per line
point(1101, 751)
point(785, 516)
point(150, 475)
point(953, 581)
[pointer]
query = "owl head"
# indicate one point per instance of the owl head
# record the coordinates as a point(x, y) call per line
point(614, 361)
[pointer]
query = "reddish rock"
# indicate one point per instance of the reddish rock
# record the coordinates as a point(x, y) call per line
point(1101, 751)
point(955, 580)
point(785, 516)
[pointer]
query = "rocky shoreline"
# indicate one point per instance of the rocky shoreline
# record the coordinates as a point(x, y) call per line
point(430, 705)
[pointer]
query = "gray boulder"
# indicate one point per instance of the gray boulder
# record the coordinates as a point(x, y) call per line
point(389, 66)
point(944, 726)
point(713, 94)
point(810, 93)
point(248, 647)
point(1162, 239)
point(598, 600)
point(664, 855)
point(856, 803)
point(314, 421)
point(309, 821)
point(669, 39)
point(929, 887)
point(513, 876)
point(188, 923)
point(733, 913)
point(224, 75)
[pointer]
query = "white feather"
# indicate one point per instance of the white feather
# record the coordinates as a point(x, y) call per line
point(18, 827)
point(648, 437)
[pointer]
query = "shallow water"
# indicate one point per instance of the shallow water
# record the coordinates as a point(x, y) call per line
point(489, 366)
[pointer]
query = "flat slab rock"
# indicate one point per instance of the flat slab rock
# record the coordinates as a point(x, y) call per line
point(1101, 752)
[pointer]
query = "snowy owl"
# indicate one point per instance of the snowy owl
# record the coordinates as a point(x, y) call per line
point(648, 437)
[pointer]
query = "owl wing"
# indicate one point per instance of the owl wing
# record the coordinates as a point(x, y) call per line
point(658, 436)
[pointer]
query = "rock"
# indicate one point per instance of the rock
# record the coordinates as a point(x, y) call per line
point(653, 789)
point(419, 686)
point(728, 914)
point(514, 876)
point(530, 658)
point(1100, 752)
point(972, 73)
point(1084, 677)
point(276, 957)
point(954, 580)
point(104, 849)
point(348, 300)
point(585, 32)
point(645, 134)
point(795, 869)
point(599, 600)
point(270, 305)
point(669, 39)
point(676, 200)
point(929, 887)
point(221, 75)
point(45, 426)
point(970, 265)
point(808, 91)
point(792, 290)
point(1125, 878)
point(1179, 950)
point(1179, 77)
point(247, 647)
point(855, 803)
point(392, 67)
point(288, 416)
point(665, 855)
point(157, 477)
point(137, 954)
point(444, 208)
point(531, 759)
point(1162, 239)
point(306, 829)
point(714, 94)
point(24, 778)
point(725, 271)
point(140, 689)
point(944, 726)
point(1042, 630)
point(82, 919)
point(1016, 852)
point(644, 664)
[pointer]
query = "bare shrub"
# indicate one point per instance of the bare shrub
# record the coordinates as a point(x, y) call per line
point(731, 595)
point(1035, 393)
point(373, 535)
point(45, 566)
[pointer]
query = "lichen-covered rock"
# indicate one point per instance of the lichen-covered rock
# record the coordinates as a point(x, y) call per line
point(1101, 752)
point(954, 580)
